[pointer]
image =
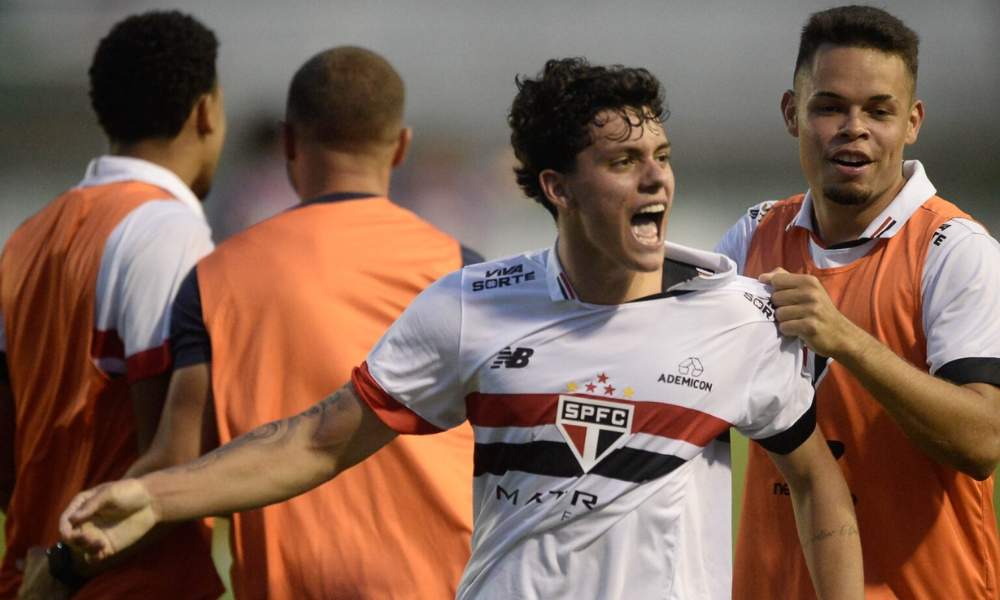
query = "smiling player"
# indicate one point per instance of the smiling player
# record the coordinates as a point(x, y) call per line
point(896, 293)
point(597, 468)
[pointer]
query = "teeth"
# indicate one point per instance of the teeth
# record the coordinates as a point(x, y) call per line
point(653, 208)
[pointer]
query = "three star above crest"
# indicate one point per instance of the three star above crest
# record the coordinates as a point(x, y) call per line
point(600, 385)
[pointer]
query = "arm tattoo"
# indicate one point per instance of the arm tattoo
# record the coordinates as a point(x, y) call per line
point(276, 432)
point(846, 530)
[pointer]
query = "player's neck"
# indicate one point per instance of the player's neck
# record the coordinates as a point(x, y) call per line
point(835, 223)
point(601, 281)
point(171, 154)
point(322, 176)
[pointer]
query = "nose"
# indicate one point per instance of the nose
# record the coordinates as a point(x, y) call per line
point(655, 175)
point(854, 126)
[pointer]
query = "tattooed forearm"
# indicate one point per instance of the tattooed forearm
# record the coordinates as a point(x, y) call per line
point(847, 530)
point(281, 432)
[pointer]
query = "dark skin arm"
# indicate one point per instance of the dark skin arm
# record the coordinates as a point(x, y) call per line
point(7, 431)
point(187, 428)
point(148, 396)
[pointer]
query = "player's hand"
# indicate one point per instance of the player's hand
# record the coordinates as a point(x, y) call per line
point(805, 310)
point(38, 583)
point(107, 519)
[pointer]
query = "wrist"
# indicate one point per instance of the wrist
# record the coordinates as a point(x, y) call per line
point(148, 484)
point(853, 344)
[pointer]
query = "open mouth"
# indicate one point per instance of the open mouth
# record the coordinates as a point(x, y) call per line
point(850, 161)
point(647, 224)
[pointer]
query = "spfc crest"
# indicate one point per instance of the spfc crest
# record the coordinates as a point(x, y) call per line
point(593, 428)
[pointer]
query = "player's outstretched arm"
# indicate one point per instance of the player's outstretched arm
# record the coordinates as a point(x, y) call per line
point(824, 516)
point(269, 464)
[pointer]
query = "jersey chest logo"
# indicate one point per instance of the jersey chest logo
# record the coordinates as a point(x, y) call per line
point(593, 428)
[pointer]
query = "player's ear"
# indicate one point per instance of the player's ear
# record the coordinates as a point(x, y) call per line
point(556, 189)
point(916, 120)
point(402, 146)
point(789, 112)
point(208, 113)
point(287, 133)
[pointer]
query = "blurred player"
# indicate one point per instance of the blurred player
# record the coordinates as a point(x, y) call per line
point(896, 293)
point(593, 374)
point(85, 290)
point(280, 314)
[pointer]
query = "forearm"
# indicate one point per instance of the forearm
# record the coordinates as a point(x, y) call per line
point(954, 425)
point(269, 464)
point(272, 463)
point(7, 431)
point(829, 535)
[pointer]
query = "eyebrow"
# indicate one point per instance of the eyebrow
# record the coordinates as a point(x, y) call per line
point(876, 98)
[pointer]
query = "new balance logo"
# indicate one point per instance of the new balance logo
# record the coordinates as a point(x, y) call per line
point(512, 359)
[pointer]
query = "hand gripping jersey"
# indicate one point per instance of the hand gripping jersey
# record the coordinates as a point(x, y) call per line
point(290, 307)
point(591, 422)
point(85, 287)
point(925, 281)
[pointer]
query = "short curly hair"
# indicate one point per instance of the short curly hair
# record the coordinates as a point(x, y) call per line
point(148, 72)
point(551, 115)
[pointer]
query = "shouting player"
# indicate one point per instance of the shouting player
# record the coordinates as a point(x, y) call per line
point(594, 373)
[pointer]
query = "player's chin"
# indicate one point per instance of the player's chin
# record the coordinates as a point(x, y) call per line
point(649, 261)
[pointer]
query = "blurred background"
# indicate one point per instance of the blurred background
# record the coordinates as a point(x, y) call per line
point(724, 64)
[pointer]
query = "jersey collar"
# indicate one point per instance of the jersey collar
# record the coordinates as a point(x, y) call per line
point(715, 270)
point(117, 169)
point(918, 189)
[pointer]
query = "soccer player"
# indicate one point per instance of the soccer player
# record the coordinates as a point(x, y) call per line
point(896, 294)
point(85, 291)
point(279, 315)
point(593, 373)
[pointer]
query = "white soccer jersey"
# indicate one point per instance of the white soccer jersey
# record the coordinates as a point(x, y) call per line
point(591, 475)
point(143, 263)
point(960, 275)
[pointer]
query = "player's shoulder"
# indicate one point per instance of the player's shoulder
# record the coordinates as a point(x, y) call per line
point(517, 271)
point(166, 216)
point(748, 299)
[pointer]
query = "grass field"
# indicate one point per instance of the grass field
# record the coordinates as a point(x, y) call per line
point(220, 548)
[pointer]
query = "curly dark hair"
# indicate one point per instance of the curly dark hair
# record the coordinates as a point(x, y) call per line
point(861, 27)
point(551, 115)
point(148, 72)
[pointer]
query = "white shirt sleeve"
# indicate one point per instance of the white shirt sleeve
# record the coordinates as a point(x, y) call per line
point(145, 259)
point(736, 242)
point(417, 360)
point(781, 391)
point(961, 294)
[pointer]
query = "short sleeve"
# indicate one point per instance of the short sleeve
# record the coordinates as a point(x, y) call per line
point(736, 242)
point(190, 343)
point(411, 378)
point(146, 259)
point(961, 301)
point(780, 408)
